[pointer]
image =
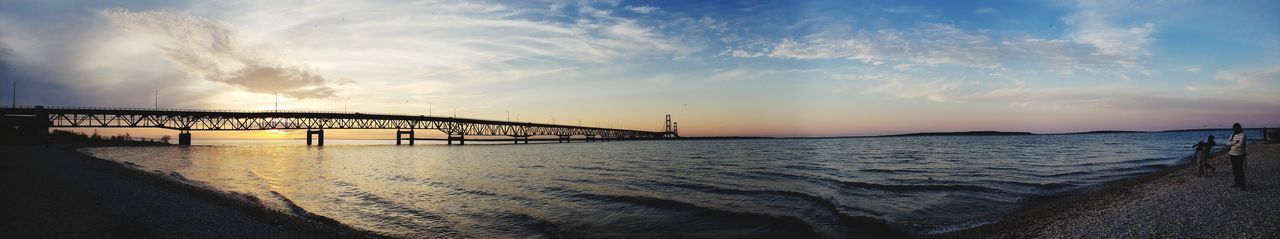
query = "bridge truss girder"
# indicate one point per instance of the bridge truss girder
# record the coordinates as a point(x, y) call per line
point(213, 120)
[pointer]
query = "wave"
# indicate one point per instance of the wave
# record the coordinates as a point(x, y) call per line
point(1042, 186)
point(299, 211)
point(824, 202)
point(1126, 162)
point(596, 168)
point(877, 170)
point(921, 187)
point(771, 225)
point(400, 215)
point(849, 225)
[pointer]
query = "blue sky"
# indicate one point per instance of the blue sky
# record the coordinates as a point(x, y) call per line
point(777, 68)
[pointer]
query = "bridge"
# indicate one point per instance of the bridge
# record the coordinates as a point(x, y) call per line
point(38, 120)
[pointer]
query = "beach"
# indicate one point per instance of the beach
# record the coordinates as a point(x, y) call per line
point(1174, 202)
point(56, 192)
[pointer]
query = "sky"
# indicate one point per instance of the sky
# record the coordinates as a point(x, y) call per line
point(749, 68)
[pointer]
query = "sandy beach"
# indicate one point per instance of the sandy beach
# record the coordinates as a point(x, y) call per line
point(1173, 203)
point(56, 192)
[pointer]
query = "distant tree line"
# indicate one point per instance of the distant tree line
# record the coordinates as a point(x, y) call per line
point(58, 135)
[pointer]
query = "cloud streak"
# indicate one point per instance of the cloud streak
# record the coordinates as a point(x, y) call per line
point(209, 50)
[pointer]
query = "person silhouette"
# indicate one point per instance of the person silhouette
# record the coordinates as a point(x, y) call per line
point(1208, 149)
point(1203, 148)
point(1236, 151)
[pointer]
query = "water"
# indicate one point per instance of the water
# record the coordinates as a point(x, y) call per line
point(712, 188)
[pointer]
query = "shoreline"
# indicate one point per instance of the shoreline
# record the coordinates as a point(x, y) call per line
point(1172, 202)
point(58, 191)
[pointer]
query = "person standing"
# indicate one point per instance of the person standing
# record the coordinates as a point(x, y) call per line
point(1208, 148)
point(1236, 151)
point(1202, 156)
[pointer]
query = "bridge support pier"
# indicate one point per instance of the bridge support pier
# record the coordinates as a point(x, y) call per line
point(462, 139)
point(184, 138)
point(29, 129)
point(591, 138)
point(564, 139)
point(400, 133)
point(517, 138)
point(319, 133)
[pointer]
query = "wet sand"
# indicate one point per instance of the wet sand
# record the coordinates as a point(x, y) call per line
point(1171, 203)
point(56, 192)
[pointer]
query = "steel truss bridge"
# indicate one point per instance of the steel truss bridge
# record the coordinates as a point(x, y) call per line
point(315, 123)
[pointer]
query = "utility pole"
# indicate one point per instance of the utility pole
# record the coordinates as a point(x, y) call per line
point(428, 108)
point(157, 99)
point(344, 104)
point(277, 101)
point(508, 115)
point(15, 93)
point(455, 112)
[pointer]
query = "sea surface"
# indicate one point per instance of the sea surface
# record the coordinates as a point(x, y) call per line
point(829, 188)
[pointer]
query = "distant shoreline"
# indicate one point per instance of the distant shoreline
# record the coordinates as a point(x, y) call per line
point(968, 133)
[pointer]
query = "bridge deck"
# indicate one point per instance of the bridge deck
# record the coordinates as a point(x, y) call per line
point(191, 119)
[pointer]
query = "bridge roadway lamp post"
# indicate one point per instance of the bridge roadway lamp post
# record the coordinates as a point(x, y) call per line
point(428, 108)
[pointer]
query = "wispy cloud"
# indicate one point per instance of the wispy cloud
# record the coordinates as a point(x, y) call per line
point(211, 51)
point(985, 10)
point(1191, 68)
point(462, 42)
point(931, 44)
point(643, 9)
point(1116, 97)
point(1250, 77)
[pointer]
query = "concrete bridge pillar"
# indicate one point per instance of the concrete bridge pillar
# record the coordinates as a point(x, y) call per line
point(184, 137)
point(564, 139)
point(400, 133)
point(462, 139)
point(41, 130)
point(591, 138)
point(518, 138)
point(319, 133)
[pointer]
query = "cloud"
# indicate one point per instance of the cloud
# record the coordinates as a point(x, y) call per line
point(1250, 77)
point(905, 88)
point(1117, 97)
point(462, 42)
point(902, 85)
point(643, 9)
point(1089, 24)
point(900, 9)
point(985, 10)
point(931, 44)
point(751, 73)
point(208, 50)
point(1092, 43)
